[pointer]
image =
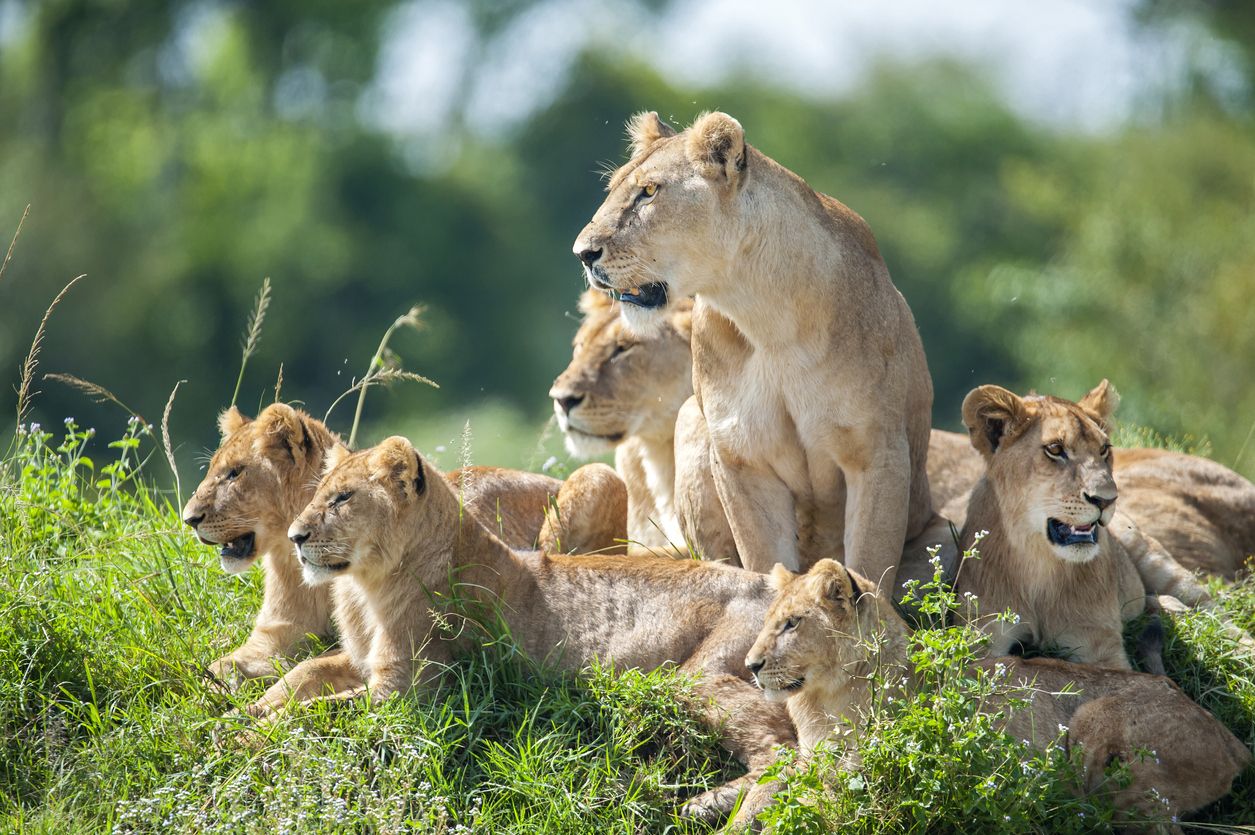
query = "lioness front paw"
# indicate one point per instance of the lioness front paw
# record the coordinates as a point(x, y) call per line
point(712, 807)
point(230, 672)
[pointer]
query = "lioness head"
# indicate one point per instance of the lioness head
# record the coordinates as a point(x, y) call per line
point(354, 522)
point(813, 629)
point(1049, 463)
point(256, 481)
point(664, 220)
point(621, 383)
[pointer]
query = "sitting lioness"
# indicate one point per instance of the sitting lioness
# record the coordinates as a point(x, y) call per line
point(386, 526)
point(1046, 501)
point(264, 473)
point(621, 391)
point(830, 637)
point(807, 363)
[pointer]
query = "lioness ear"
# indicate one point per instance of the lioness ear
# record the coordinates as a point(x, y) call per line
point(716, 146)
point(285, 426)
point(990, 412)
point(1102, 401)
point(229, 421)
point(334, 456)
point(644, 129)
point(779, 577)
point(592, 301)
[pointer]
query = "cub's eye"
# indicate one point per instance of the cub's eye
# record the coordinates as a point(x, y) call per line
point(791, 624)
point(340, 498)
point(233, 473)
point(1105, 452)
point(649, 190)
point(620, 349)
point(1055, 451)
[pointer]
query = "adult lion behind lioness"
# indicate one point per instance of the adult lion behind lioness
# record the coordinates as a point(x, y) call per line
point(386, 526)
point(806, 360)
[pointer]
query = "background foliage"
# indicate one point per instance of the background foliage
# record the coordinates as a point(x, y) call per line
point(179, 152)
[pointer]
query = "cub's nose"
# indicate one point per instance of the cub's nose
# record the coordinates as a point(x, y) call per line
point(193, 521)
point(755, 666)
point(298, 537)
point(588, 257)
point(569, 402)
point(1100, 502)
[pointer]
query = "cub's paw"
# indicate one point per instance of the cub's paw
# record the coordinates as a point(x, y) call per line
point(712, 807)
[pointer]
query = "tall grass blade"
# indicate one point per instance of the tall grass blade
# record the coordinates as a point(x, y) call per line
point(279, 383)
point(253, 336)
point(412, 318)
point(24, 392)
point(8, 256)
point(96, 392)
point(165, 442)
point(388, 375)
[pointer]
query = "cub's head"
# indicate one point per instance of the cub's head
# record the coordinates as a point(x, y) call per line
point(257, 481)
point(359, 520)
point(620, 382)
point(664, 221)
point(815, 629)
point(1049, 464)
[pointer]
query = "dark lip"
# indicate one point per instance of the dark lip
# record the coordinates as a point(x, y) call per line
point(240, 548)
point(332, 566)
point(614, 438)
point(648, 296)
point(1061, 533)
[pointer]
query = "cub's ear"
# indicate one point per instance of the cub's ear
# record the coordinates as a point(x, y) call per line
point(335, 455)
point(1102, 401)
point(284, 427)
point(716, 146)
point(230, 421)
point(593, 301)
point(396, 462)
point(833, 580)
point(644, 129)
point(990, 412)
point(779, 577)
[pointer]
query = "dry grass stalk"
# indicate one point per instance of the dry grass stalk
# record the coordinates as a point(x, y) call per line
point(253, 335)
point(169, 447)
point(96, 392)
point(279, 383)
point(24, 392)
point(379, 365)
point(388, 375)
point(8, 256)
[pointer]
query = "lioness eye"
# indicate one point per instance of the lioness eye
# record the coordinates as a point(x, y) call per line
point(234, 473)
point(791, 624)
point(1055, 451)
point(620, 349)
point(1105, 452)
point(649, 190)
point(341, 498)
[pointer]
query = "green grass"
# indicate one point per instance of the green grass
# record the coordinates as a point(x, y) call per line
point(109, 612)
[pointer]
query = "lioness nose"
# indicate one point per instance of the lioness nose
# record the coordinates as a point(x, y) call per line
point(588, 256)
point(1100, 502)
point(569, 403)
point(754, 666)
point(193, 521)
point(298, 537)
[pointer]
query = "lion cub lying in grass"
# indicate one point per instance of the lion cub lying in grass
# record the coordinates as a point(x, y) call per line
point(265, 472)
point(1047, 500)
point(387, 528)
point(829, 638)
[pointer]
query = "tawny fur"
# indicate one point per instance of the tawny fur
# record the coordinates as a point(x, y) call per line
point(1049, 458)
point(621, 391)
point(385, 526)
point(807, 362)
point(278, 460)
point(831, 630)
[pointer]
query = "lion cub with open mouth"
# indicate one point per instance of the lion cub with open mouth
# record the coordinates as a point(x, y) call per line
point(387, 528)
point(830, 638)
